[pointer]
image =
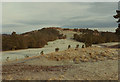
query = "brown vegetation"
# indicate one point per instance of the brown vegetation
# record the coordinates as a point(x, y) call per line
point(90, 37)
point(34, 39)
point(56, 49)
point(69, 46)
point(91, 54)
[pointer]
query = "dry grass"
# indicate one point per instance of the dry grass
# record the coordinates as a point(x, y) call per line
point(91, 54)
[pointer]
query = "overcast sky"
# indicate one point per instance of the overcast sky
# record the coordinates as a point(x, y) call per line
point(27, 16)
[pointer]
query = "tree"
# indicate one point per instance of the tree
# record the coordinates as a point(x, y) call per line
point(13, 33)
point(117, 17)
point(118, 30)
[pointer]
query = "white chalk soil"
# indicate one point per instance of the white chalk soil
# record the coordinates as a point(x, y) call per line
point(62, 44)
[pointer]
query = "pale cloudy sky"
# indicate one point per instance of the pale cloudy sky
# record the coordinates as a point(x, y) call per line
point(27, 16)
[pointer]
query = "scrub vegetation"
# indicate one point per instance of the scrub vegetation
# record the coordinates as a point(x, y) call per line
point(33, 39)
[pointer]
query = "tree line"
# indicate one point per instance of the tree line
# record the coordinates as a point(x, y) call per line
point(33, 39)
point(90, 37)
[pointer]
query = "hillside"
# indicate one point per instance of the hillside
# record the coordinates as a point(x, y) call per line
point(62, 44)
point(33, 39)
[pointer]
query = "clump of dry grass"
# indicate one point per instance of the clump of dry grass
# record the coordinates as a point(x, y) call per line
point(61, 77)
point(26, 78)
point(9, 77)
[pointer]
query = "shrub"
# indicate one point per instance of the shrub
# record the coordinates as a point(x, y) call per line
point(77, 45)
point(66, 29)
point(69, 46)
point(56, 49)
point(61, 36)
point(41, 53)
point(88, 44)
point(75, 29)
point(26, 56)
point(7, 59)
point(83, 46)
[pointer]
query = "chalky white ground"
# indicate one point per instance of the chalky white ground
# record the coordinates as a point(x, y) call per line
point(62, 44)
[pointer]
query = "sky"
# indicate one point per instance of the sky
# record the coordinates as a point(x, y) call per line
point(26, 16)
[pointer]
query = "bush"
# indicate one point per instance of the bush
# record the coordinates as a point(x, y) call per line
point(41, 53)
point(26, 56)
point(88, 44)
point(56, 49)
point(75, 29)
point(83, 46)
point(77, 46)
point(69, 46)
point(66, 29)
point(61, 36)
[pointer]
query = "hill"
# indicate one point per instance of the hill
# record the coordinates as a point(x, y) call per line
point(33, 39)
